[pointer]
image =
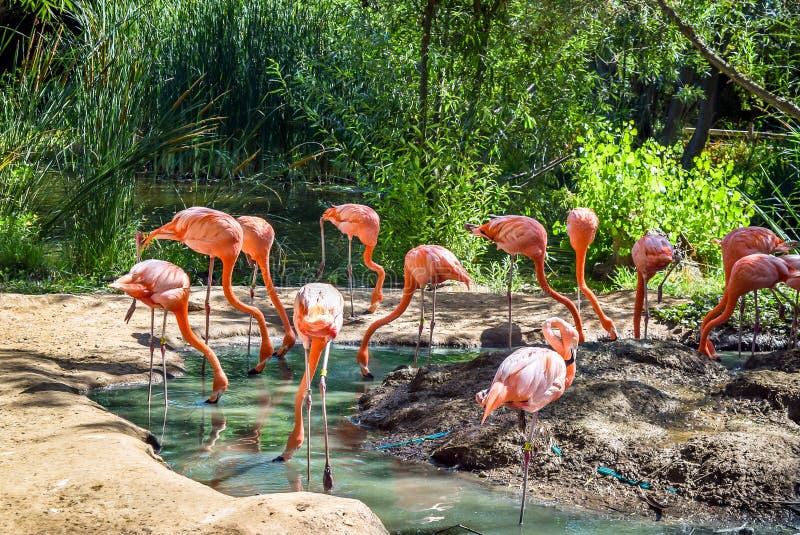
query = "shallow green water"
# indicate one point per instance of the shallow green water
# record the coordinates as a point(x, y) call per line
point(230, 447)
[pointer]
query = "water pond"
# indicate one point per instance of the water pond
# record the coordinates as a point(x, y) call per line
point(230, 447)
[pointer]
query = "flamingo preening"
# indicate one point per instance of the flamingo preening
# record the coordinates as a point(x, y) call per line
point(517, 234)
point(423, 265)
point(529, 379)
point(364, 223)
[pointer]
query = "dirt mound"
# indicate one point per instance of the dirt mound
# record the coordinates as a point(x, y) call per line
point(696, 437)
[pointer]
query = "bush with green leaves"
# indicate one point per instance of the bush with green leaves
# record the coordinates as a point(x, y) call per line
point(21, 251)
point(637, 188)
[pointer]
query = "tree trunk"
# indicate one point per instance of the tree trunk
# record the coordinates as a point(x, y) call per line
point(785, 105)
point(676, 109)
point(427, 22)
point(705, 118)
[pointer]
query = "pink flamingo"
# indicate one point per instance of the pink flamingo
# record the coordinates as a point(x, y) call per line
point(215, 234)
point(318, 316)
point(582, 225)
point(752, 272)
point(364, 223)
point(258, 236)
point(651, 253)
point(737, 244)
point(423, 265)
point(531, 378)
point(517, 234)
point(160, 284)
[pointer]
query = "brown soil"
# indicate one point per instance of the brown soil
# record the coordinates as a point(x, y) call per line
point(654, 411)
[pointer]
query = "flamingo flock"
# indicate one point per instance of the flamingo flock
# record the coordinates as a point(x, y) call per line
point(526, 381)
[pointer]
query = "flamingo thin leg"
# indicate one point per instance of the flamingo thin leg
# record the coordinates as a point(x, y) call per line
point(526, 461)
point(755, 324)
point(164, 359)
point(327, 477)
point(308, 419)
point(433, 324)
point(646, 308)
point(152, 350)
point(741, 321)
point(350, 272)
point(252, 299)
point(208, 307)
point(421, 321)
point(508, 296)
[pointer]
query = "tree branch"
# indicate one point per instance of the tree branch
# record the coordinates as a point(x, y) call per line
point(785, 105)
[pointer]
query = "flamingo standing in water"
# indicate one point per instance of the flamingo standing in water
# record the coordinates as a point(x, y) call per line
point(582, 225)
point(258, 236)
point(423, 265)
point(364, 223)
point(215, 234)
point(651, 253)
point(529, 379)
point(318, 316)
point(517, 234)
point(752, 272)
point(160, 284)
point(737, 244)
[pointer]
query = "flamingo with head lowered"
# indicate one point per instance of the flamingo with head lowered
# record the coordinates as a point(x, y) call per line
point(318, 317)
point(217, 235)
point(582, 225)
point(651, 253)
point(518, 234)
point(160, 284)
point(258, 236)
point(423, 265)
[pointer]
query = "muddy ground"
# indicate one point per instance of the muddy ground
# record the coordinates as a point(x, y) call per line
point(727, 443)
point(711, 445)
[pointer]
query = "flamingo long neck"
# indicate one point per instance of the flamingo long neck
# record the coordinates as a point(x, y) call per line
point(409, 287)
point(165, 232)
point(266, 350)
point(563, 349)
point(377, 293)
point(182, 317)
point(263, 264)
point(542, 280)
point(580, 266)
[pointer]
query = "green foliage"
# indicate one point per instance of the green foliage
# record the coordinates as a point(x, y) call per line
point(21, 252)
point(634, 189)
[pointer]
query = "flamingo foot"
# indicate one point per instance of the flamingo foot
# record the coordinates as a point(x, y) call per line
point(327, 479)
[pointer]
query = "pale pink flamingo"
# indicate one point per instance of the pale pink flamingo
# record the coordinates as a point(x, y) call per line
point(318, 317)
point(529, 379)
point(160, 284)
